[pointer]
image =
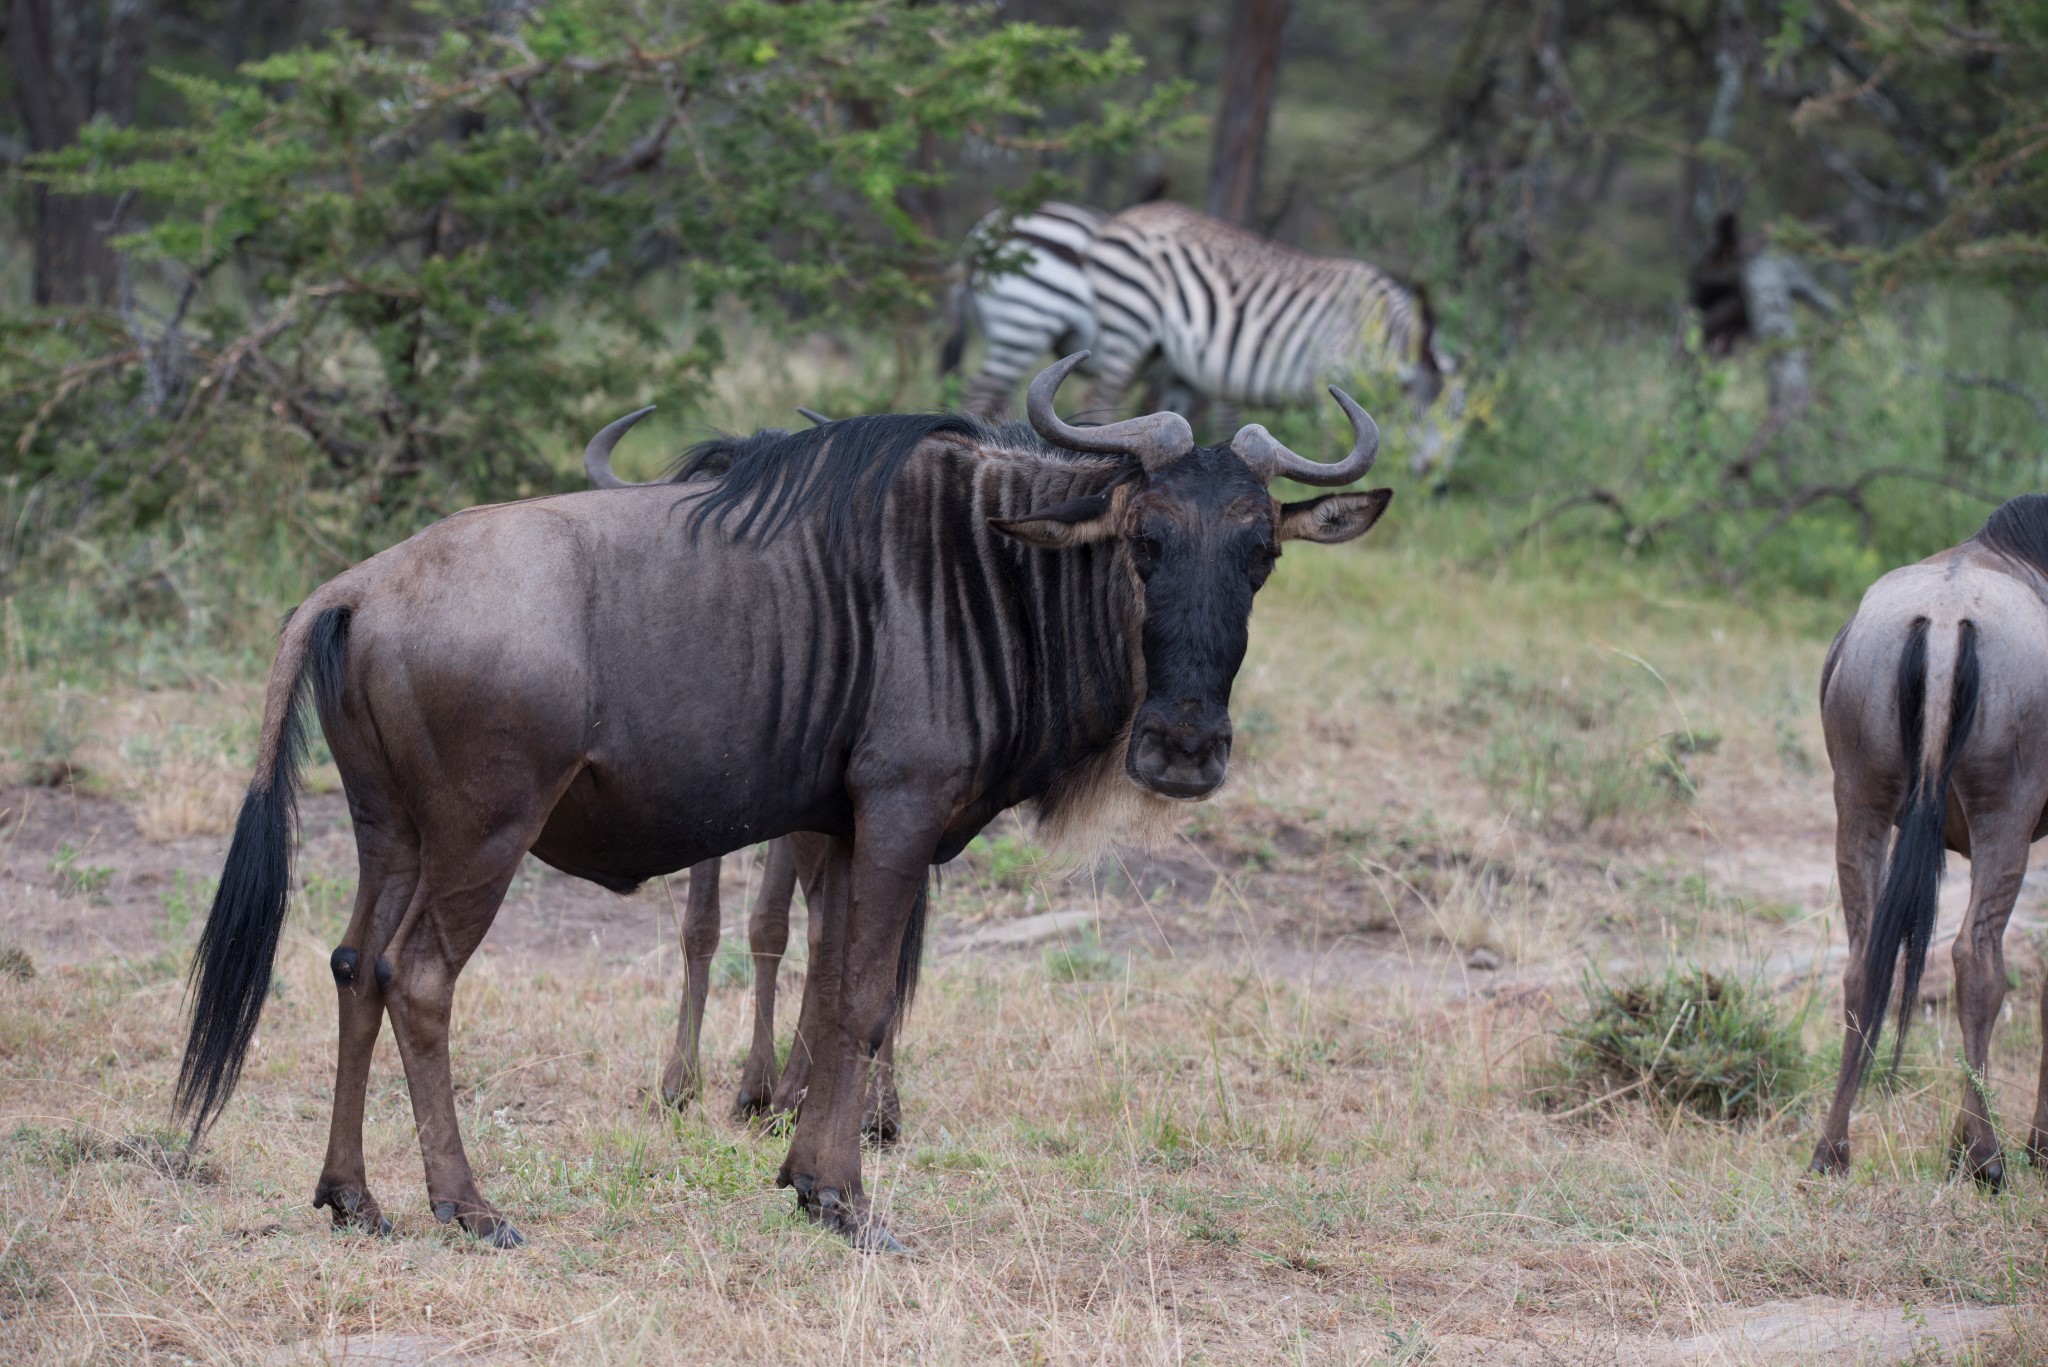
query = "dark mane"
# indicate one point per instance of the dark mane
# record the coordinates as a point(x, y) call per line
point(773, 477)
point(2020, 529)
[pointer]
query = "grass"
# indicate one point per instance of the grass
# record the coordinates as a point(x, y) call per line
point(1684, 1038)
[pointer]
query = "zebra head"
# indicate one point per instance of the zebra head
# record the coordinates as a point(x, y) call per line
point(1199, 534)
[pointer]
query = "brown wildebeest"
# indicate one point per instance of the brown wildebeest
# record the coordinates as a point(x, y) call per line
point(886, 630)
point(761, 1091)
point(1935, 702)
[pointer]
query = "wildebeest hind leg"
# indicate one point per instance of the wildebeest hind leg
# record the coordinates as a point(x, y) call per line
point(882, 1118)
point(683, 1079)
point(1861, 834)
point(387, 873)
point(825, 878)
point(768, 938)
point(441, 930)
point(1998, 865)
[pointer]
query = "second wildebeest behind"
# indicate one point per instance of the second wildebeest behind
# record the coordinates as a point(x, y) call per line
point(1935, 703)
point(884, 630)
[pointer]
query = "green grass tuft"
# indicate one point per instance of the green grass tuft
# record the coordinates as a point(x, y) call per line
point(1688, 1039)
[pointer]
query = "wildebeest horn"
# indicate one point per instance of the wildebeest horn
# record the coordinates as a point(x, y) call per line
point(817, 419)
point(1156, 439)
point(597, 457)
point(1270, 460)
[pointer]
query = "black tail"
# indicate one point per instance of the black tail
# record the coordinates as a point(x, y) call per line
point(232, 965)
point(911, 957)
point(1909, 902)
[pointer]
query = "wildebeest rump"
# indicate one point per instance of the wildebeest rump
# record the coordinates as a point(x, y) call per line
point(886, 630)
point(1935, 703)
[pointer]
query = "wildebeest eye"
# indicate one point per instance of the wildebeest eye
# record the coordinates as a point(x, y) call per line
point(1144, 551)
point(1260, 564)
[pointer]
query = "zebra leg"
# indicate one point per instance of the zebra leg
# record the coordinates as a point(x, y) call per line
point(1224, 419)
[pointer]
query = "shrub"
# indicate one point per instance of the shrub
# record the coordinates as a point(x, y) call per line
point(1689, 1038)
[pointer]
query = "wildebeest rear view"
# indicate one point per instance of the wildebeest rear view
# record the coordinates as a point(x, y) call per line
point(886, 630)
point(1935, 699)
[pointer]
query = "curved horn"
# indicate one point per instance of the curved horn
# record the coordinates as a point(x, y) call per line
point(1270, 460)
point(817, 419)
point(1155, 440)
point(597, 457)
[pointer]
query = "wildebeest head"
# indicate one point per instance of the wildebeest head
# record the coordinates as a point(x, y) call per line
point(1200, 533)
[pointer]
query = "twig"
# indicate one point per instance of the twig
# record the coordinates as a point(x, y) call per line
point(72, 377)
point(1963, 379)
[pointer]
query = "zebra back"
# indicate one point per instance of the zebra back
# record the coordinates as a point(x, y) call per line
point(1245, 319)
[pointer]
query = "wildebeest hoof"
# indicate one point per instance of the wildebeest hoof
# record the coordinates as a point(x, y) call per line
point(1830, 1159)
point(1987, 1168)
point(751, 1102)
point(484, 1225)
point(498, 1233)
point(850, 1220)
point(679, 1085)
point(354, 1210)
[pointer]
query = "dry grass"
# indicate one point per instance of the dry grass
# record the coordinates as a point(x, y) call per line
point(1264, 1112)
point(1183, 1162)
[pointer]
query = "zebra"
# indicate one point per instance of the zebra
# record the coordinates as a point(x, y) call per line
point(1044, 303)
point(1244, 320)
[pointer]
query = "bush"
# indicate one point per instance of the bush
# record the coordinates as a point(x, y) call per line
point(1689, 1039)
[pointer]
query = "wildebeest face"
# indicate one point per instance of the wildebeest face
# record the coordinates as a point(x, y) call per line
point(1198, 530)
point(1201, 535)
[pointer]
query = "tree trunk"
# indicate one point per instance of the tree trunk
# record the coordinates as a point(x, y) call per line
point(72, 61)
point(1251, 75)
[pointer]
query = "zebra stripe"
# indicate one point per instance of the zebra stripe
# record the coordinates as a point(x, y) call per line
point(1046, 304)
point(1245, 320)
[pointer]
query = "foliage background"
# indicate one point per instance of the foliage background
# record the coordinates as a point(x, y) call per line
point(380, 260)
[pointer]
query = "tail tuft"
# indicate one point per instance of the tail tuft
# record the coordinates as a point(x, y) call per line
point(1903, 922)
point(237, 950)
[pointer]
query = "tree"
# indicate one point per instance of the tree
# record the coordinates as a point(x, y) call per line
point(425, 255)
point(1251, 76)
point(73, 61)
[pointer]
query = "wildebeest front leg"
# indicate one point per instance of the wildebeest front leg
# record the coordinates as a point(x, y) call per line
point(387, 872)
point(768, 938)
point(683, 1078)
point(882, 1116)
point(1861, 834)
point(857, 992)
point(1998, 865)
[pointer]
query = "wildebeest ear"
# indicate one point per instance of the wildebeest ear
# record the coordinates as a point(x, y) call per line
point(1333, 517)
point(1073, 523)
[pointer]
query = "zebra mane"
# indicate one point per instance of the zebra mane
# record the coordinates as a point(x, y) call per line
point(2019, 528)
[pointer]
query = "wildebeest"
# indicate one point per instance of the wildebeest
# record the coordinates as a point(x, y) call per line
point(885, 630)
point(1935, 703)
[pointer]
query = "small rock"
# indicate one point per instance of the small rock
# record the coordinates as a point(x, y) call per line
point(1483, 960)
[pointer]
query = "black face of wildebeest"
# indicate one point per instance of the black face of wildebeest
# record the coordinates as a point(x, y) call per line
point(1200, 534)
point(839, 635)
